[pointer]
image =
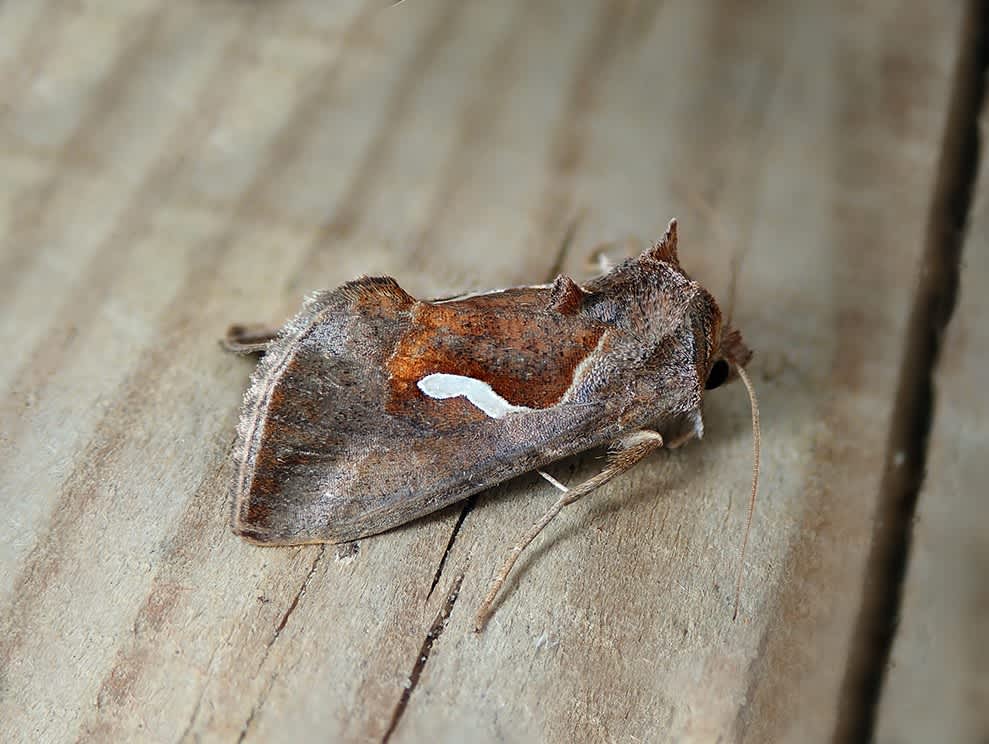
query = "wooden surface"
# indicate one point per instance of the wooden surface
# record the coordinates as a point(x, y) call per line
point(172, 167)
point(938, 682)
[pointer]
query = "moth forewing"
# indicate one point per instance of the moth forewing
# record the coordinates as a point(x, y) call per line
point(369, 407)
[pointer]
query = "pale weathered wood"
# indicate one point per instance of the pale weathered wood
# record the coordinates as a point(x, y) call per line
point(806, 128)
point(937, 686)
point(170, 167)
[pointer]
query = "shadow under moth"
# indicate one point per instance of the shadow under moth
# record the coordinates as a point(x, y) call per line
point(371, 408)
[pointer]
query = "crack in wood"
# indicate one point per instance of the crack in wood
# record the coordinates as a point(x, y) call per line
point(566, 242)
point(202, 691)
point(271, 642)
point(257, 706)
point(432, 636)
point(302, 590)
point(43, 563)
point(292, 605)
point(468, 507)
point(934, 302)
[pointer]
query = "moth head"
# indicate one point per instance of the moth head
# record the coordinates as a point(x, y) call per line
point(731, 354)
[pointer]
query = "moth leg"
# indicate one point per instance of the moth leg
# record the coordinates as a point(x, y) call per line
point(253, 338)
point(622, 455)
point(681, 440)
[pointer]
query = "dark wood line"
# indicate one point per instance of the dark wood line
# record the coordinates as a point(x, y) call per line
point(433, 635)
point(475, 125)
point(44, 561)
point(80, 307)
point(104, 102)
point(913, 413)
point(349, 210)
point(293, 604)
point(569, 137)
point(191, 525)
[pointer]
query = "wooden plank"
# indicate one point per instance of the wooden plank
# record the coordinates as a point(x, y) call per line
point(794, 122)
point(220, 160)
point(937, 684)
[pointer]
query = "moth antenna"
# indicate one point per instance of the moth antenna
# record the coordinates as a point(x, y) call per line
point(756, 450)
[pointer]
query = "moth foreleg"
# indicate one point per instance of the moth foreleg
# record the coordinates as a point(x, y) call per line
point(622, 455)
point(253, 338)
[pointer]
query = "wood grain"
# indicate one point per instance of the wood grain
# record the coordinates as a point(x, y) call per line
point(173, 167)
point(938, 679)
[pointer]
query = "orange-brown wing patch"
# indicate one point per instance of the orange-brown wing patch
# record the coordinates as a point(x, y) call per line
point(511, 340)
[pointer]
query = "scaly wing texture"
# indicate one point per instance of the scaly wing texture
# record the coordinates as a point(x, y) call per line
point(337, 442)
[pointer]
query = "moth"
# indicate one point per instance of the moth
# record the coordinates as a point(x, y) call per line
point(371, 408)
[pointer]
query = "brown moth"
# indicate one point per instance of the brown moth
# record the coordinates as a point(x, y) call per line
point(371, 408)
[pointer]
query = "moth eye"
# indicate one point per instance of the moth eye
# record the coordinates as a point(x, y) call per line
point(718, 374)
